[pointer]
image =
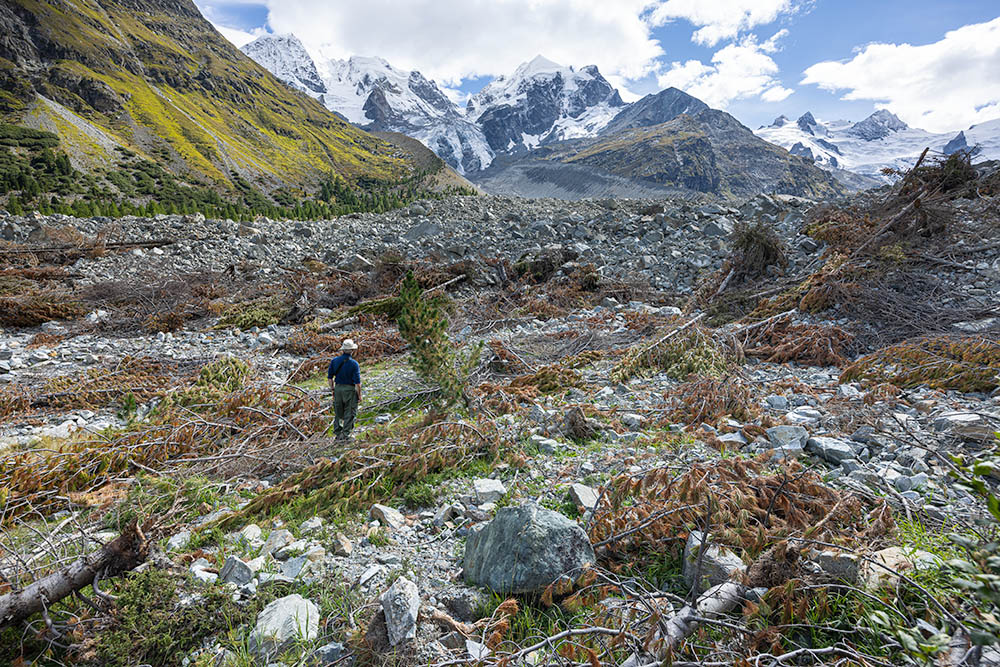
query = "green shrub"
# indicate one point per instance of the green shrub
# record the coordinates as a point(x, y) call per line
point(152, 627)
point(423, 325)
point(261, 312)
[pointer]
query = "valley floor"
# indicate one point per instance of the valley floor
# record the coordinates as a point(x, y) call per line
point(641, 385)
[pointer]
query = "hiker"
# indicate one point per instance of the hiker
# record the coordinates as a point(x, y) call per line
point(344, 375)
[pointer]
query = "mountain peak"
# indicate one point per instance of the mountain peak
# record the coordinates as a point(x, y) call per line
point(879, 125)
point(655, 109)
point(538, 65)
point(781, 121)
point(285, 57)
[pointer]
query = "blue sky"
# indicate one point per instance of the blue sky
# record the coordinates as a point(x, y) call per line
point(755, 58)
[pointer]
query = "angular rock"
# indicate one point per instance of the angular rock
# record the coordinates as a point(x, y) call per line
point(966, 425)
point(388, 516)
point(250, 533)
point(277, 539)
point(401, 604)
point(342, 546)
point(236, 571)
point(632, 421)
point(524, 549)
point(311, 525)
point(583, 495)
point(840, 564)
point(885, 566)
point(448, 513)
point(488, 490)
point(833, 450)
point(179, 540)
point(787, 436)
point(718, 564)
point(284, 621)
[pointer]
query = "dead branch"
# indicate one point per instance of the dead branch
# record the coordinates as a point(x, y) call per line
point(120, 555)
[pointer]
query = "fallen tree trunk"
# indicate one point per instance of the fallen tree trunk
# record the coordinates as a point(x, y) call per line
point(120, 555)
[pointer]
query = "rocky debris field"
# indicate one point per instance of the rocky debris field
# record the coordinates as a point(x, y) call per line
point(653, 372)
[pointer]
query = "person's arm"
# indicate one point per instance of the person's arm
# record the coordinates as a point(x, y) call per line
point(357, 380)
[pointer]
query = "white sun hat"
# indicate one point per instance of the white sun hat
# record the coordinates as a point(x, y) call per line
point(349, 344)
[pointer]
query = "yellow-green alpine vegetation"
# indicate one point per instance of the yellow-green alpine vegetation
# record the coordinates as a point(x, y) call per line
point(709, 151)
point(151, 81)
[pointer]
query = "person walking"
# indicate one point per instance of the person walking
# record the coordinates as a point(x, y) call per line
point(344, 376)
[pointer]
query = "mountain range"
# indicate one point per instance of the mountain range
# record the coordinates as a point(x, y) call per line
point(880, 141)
point(552, 130)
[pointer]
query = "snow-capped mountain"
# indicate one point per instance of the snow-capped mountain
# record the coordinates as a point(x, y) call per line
point(543, 102)
point(286, 58)
point(370, 92)
point(879, 141)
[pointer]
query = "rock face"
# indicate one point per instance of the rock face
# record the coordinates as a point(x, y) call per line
point(286, 58)
point(543, 101)
point(524, 549)
point(655, 109)
point(378, 97)
point(284, 621)
point(401, 604)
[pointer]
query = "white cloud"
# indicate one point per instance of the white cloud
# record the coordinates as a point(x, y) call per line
point(239, 37)
point(940, 87)
point(449, 40)
point(718, 20)
point(738, 71)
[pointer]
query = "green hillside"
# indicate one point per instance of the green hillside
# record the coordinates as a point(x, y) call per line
point(150, 86)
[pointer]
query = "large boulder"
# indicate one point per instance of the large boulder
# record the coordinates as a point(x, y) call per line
point(284, 622)
point(524, 549)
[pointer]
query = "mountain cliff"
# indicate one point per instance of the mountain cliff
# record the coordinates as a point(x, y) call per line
point(153, 78)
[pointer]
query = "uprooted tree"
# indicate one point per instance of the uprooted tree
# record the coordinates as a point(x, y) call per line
point(422, 323)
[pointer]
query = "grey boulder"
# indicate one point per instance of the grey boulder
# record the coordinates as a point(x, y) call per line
point(524, 549)
point(401, 604)
point(283, 622)
point(833, 450)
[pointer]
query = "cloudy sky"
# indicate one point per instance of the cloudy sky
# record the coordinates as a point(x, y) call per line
point(935, 63)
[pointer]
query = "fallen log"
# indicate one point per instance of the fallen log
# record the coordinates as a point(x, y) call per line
point(121, 554)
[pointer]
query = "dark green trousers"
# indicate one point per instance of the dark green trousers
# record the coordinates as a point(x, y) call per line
point(345, 408)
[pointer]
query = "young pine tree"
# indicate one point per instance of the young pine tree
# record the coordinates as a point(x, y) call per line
point(423, 325)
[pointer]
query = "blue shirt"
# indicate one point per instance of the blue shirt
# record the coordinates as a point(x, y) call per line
point(345, 370)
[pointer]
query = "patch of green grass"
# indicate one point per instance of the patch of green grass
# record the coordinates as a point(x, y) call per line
point(379, 537)
point(420, 494)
